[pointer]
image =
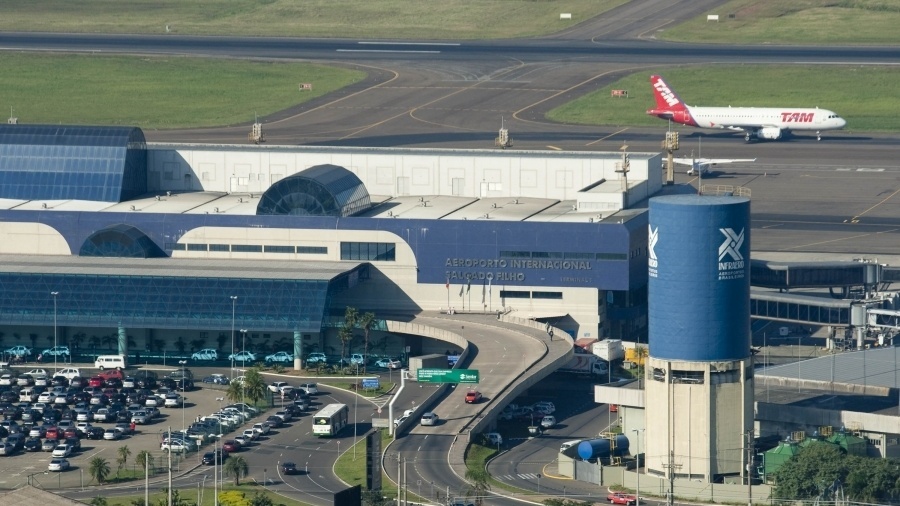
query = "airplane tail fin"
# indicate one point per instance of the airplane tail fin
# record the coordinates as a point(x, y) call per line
point(666, 99)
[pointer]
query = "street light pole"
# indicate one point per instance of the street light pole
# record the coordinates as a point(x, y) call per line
point(183, 383)
point(55, 351)
point(243, 355)
point(233, 304)
point(638, 466)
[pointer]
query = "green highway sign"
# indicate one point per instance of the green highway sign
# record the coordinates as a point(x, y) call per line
point(447, 375)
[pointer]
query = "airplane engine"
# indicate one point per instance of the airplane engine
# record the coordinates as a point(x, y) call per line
point(769, 133)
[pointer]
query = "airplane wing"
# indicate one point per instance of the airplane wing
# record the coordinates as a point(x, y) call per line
point(711, 161)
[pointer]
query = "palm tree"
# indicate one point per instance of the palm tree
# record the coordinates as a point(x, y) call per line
point(366, 322)
point(235, 391)
point(479, 484)
point(346, 331)
point(254, 385)
point(124, 452)
point(237, 467)
point(144, 459)
point(99, 469)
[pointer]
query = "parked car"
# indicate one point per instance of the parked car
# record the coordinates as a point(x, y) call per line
point(316, 358)
point(69, 373)
point(48, 445)
point(19, 351)
point(33, 444)
point(274, 421)
point(173, 400)
point(94, 433)
point(473, 396)
point(214, 457)
point(242, 356)
point(357, 359)
point(262, 428)
point(62, 450)
point(389, 363)
point(56, 351)
point(280, 357)
point(231, 446)
point(205, 354)
point(276, 386)
point(58, 465)
point(112, 434)
point(216, 379)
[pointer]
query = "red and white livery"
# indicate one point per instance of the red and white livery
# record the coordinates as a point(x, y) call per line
point(769, 123)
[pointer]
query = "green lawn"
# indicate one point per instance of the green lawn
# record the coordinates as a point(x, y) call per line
point(794, 22)
point(157, 93)
point(381, 19)
point(189, 496)
point(866, 96)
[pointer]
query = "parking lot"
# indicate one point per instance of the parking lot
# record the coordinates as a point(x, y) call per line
point(23, 467)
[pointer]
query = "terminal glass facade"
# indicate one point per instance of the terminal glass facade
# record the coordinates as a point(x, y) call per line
point(163, 301)
point(47, 162)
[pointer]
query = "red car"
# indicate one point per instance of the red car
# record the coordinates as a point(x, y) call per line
point(231, 446)
point(52, 433)
point(111, 374)
point(473, 396)
point(96, 381)
point(621, 498)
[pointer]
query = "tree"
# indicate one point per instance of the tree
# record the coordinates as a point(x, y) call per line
point(235, 392)
point(366, 322)
point(123, 453)
point(144, 459)
point(260, 499)
point(236, 467)
point(254, 385)
point(351, 315)
point(479, 485)
point(99, 469)
point(803, 475)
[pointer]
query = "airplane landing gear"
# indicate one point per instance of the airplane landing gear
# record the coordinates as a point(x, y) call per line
point(747, 137)
point(818, 135)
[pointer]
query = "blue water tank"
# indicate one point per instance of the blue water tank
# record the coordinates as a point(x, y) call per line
point(699, 278)
point(599, 448)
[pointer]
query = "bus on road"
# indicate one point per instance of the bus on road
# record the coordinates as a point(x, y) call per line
point(330, 420)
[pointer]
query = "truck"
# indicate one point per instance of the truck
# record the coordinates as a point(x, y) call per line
point(587, 365)
point(583, 345)
point(609, 349)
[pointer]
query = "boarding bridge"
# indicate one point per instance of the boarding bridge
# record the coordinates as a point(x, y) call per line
point(840, 295)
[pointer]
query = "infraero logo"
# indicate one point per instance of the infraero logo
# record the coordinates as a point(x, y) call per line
point(731, 247)
point(651, 245)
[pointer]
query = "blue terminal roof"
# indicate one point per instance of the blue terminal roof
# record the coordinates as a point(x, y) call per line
point(171, 293)
point(48, 162)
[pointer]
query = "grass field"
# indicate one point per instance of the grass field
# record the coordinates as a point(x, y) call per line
point(867, 97)
point(838, 22)
point(157, 93)
point(381, 19)
point(189, 495)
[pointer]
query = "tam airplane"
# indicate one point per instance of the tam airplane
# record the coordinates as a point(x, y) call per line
point(769, 123)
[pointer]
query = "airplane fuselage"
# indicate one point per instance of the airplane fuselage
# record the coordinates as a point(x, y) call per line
point(756, 117)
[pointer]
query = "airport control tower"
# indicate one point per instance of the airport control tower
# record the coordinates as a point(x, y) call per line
point(699, 373)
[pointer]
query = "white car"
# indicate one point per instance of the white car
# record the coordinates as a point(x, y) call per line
point(7, 379)
point(281, 357)
point(69, 373)
point(430, 418)
point(46, 397)
point(242, 356)
point(389, 363)
point(275, 386)
point(548, 421)
point(37, 372)
point(262, 428)
point(251, 434)
point(173, 400)
point(62, 451)
point(58, 465)
point(56, 351)
point(206, 354)
point(309, 388)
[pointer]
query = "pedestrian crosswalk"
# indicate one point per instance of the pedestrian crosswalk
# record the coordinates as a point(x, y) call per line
point(520, 476)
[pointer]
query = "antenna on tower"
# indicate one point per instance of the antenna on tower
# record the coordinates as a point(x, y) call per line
point(503, 139)
point(256, 134)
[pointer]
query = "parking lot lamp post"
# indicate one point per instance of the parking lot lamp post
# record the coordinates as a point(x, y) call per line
point(233, 304)
point(54, 295)
point(183, 384)
point(638, 466)
point(243, 355)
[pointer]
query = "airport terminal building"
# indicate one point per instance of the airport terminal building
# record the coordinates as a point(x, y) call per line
point(167, 247)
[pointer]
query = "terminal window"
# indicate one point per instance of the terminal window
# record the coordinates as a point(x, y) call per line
point(377, 251)
point(196, 247)
point(279, 249)
point(174, 246)
point(246, 248)
point(220, 247)
point(514, 294)
point(547, 295)
point(312, 250)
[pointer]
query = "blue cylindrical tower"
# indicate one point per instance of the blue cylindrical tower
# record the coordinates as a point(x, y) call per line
point(698, 377)
point(699, 286)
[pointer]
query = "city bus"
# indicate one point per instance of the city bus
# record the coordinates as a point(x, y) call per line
point(330, 420)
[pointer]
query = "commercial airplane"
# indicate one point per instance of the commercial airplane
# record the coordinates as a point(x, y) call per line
point(769, 123)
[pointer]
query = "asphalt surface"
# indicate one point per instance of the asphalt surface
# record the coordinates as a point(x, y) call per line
point(834, 196)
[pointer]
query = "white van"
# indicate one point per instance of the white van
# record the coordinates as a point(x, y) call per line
point(569, 444)
point(110, 362)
